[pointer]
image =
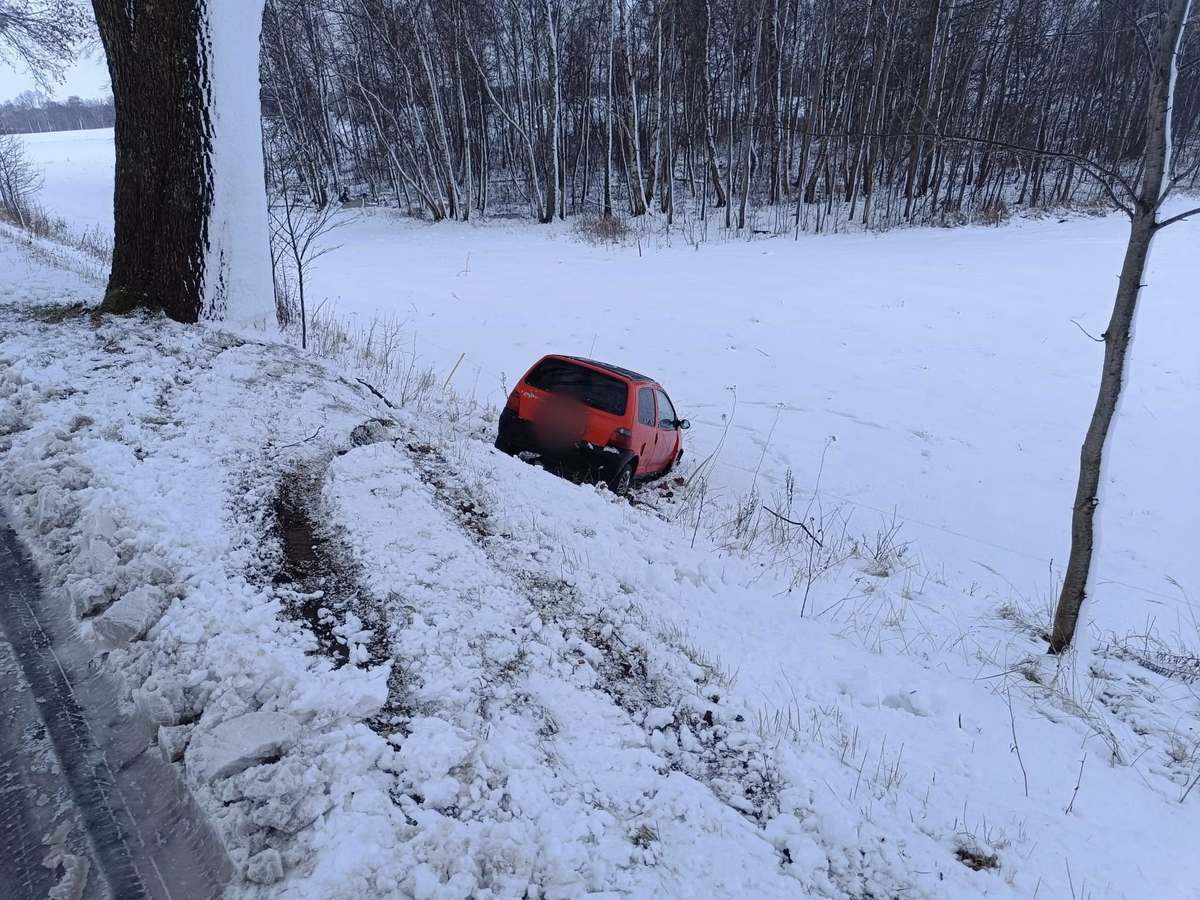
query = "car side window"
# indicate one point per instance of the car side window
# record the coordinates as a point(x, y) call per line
point(666, 412)
point(646, 406)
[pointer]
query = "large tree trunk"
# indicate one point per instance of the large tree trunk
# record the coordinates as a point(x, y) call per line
point(190, 211)
point(1118, 337)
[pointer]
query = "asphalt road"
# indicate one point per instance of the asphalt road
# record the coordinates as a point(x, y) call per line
point(88, 807)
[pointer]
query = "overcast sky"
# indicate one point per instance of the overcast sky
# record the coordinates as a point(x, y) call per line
point(87, 78)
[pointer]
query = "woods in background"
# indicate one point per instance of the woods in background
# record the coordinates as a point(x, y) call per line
point(767, 114)
point(32, 112)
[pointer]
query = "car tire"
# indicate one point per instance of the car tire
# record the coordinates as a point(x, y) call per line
point(621, 480)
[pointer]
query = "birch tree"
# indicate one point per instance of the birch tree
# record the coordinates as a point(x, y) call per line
point(1143, 204)
point(19, 180)
point(869, 113)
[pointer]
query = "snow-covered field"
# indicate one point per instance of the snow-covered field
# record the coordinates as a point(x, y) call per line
point(77, 174)
point(945, 363)
point(548, 692)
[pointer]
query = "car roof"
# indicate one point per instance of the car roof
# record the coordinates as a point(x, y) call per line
point(616, 370)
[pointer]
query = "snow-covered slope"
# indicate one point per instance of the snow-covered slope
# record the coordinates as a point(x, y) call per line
point(394, 662)
point(945, 363)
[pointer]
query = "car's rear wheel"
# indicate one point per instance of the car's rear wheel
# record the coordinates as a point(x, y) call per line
point(622, 480)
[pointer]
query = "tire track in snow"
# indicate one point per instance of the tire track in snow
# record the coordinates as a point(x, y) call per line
point(320, 584)
point(482, 764)
point(167, 853)
point(84, 764)
point(516, 771)
point(23, 819)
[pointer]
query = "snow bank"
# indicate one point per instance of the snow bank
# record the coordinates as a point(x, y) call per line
point(136, 477)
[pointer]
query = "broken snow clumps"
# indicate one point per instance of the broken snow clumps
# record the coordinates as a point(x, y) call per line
point(138, 461)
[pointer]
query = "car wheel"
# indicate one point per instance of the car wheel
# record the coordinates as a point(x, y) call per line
point(622, 481)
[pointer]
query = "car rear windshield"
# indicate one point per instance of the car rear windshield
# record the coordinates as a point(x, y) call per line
point(596, 389)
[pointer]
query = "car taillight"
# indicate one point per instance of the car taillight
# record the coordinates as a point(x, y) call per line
point(621, 438)
point(513, 403)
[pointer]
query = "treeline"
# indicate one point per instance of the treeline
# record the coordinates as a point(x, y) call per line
point(763, 113)
point(32, 112)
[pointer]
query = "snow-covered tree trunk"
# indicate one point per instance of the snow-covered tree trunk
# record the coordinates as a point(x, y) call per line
point(190, 210)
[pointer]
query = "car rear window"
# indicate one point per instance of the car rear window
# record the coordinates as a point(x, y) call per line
point(593, 388)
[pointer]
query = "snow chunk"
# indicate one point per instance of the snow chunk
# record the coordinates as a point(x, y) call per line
point(659, 718)
point(432, 750)
point(238, 743)
point(130, 617)
point(160, 700)
point(265, 867)
point(358, 693)
point(172, 741)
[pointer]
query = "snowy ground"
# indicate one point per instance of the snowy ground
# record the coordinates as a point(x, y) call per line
point(944, 362)
point(394, 662)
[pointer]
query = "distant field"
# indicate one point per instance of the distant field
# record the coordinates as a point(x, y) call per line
point(77, 173)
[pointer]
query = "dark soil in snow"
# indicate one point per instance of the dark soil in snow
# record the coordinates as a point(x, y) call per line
point(313, 575)
point(319, 583)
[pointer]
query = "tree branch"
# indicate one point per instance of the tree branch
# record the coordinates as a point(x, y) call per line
point(1102, 174)
point(378, 393)
point(782, 518)
point(1178, 218)
point(1098, 340)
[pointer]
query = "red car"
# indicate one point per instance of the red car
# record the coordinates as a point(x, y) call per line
point(617, 425)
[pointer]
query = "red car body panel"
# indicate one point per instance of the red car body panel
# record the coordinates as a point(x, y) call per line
point(555, 420)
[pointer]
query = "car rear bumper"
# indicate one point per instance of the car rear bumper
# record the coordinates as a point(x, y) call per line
point(518, 435)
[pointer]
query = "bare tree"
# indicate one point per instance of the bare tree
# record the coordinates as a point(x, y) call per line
point(19, 180)
point(298, 239)
point(42, 34)
point(1143, 203)
point(44, 114)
